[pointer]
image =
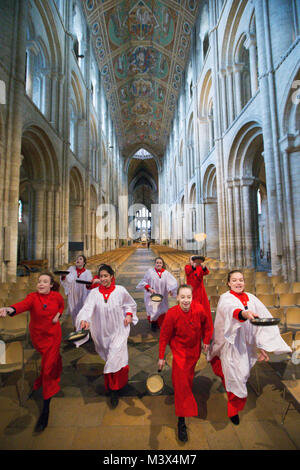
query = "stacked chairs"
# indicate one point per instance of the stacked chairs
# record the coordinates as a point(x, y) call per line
point(115, 258)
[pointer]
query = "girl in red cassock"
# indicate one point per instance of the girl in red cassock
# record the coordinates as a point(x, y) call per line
point(195, 271)
point(184, 327)
point(46, 305)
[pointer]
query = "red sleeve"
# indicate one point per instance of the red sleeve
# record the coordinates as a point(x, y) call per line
point(93, 286)
point(61, 304)
point(24, 305)
point(166, 333)
point(147, 286)
point(207, 326)
point(205, 271)
point(236, 315)
point(188, 269)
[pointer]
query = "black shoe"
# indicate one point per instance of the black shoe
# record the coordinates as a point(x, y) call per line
point(114, 400)
point(182, 434)
point(235, 419)
point(42, 422)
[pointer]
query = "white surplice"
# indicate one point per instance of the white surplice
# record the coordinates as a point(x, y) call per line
point(236, 343)
point(107, 325)
point(77, 293)
point(167, 283)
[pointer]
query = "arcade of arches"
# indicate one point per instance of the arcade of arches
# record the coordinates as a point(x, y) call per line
point(192, 107)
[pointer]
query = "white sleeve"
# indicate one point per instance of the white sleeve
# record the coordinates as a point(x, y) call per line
point(85, 314)
point(146, 280)
point(268, 337)
point(231, 325)
point(70, 279)
point(129, 305)
point(172, 284)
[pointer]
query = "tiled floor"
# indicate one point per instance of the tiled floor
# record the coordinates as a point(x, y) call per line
point(81, 417)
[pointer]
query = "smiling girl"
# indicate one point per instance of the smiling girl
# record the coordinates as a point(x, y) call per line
point(184, 328)
point(236, 341)
point(46, 305)
point(108, 312)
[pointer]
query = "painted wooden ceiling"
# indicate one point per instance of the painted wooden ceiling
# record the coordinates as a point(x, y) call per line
point(141, 47)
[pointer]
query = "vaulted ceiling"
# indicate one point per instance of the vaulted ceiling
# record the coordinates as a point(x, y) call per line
point(141, 47)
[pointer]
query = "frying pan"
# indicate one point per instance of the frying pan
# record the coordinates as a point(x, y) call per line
point(81, 281)
point(156, 297)
point(265, 321)
point(77, 335)
point(155, 383)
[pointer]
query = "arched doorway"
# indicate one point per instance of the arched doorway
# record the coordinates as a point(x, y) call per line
point(76, 199)
point(39, 196)
point(211, 222)
point(247, 221)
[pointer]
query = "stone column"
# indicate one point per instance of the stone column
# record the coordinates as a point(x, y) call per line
point(14, 123)
point(231, 225)
point(290, 219)
point(223, 99)
point(247, 239)
point(250, 44)
point(40, 218)
point(230, 95)
point(238, 87)
point(238, 223)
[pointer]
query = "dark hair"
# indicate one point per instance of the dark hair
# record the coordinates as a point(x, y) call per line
point(54, 284)
point(184, 286)
point(84, 258)
point(106, 267)
point(232, 272)
point(163, 261)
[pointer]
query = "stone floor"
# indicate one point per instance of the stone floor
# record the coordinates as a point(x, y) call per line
point(81, 418)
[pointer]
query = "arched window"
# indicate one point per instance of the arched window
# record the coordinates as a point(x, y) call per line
point(205, 45)
point(245, 79)
point(258, 202)
point(72, 128)
point(78, 31)
point(20, 214)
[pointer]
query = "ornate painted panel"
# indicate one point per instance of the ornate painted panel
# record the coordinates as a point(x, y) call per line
point(141, 47)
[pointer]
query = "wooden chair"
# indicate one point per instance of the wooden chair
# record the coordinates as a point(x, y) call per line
point(13, 327)
point(261, 275)
point(295, 288)
point(14, 359)
point(214, 299)
point(282, 288)
point(289, 300)
point(262, 289)
point(222, 289)
point(293, 318)
point(211, 290)
point(278, 279)
point(270, 300)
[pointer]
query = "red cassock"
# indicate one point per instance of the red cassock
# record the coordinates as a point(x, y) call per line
point(184, 332)
point(45, 337)
point(194, 278)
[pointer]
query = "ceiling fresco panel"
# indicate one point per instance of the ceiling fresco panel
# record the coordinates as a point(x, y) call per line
point(141, 48)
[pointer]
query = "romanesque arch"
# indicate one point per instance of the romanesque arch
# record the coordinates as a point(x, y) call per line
point(211, 224)
point(247, 200)
point(39, 230)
